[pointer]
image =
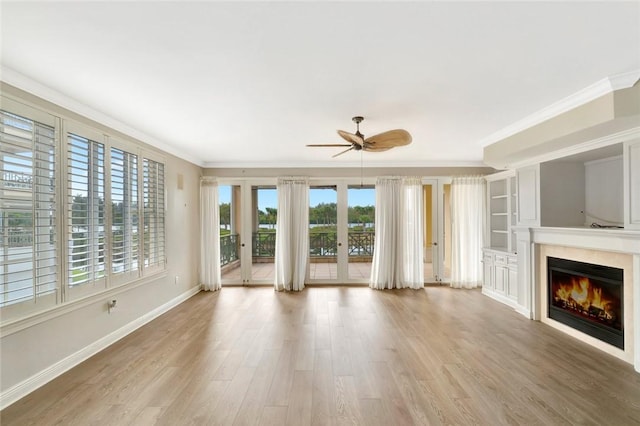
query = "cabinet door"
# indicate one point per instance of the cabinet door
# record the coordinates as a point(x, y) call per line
point(501, 278)
point(487, 264)
point(528, 180)
point(513, 283)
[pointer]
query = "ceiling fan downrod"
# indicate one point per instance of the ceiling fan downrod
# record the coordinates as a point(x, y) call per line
point(358, 119)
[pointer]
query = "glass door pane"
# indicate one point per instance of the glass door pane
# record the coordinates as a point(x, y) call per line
point(230, 233)
point(264, 201)
point(361, 230)
point(323, 241)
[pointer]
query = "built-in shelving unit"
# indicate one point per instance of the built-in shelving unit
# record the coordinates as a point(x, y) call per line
point(501, 202)
point(499, 259)
point(513, 216)
point(498, 214)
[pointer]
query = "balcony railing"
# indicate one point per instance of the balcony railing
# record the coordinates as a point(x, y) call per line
point(321, 244)
point(360, 243)
point(229, 249)
point(263, 244)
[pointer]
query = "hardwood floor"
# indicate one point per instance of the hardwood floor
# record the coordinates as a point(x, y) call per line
point(340, 355)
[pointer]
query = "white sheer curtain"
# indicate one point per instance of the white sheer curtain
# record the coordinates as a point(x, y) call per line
point(398, 251)
point(413, 233)
point(467, 230)
point(210, 277)
point(292, 233)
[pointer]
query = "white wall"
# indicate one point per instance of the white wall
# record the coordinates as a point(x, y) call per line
point(562, 194)
point(604, 191)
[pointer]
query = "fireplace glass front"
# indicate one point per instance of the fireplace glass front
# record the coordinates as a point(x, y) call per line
point(587, 297)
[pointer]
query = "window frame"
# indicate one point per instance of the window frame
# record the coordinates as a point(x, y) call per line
point(161, 208)
point(93, 285)
point(37, 302)
point(65, 297)
point(126, 276)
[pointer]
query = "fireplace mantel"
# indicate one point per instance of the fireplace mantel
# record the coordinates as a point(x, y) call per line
point(606, 239)
point(529, 241)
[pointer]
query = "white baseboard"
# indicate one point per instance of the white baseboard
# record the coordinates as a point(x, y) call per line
point(524, 311)
point(29, 385)
point(500, 298)
point(507, 301)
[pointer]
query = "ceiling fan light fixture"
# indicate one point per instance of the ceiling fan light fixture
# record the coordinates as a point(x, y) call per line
point(377, 143)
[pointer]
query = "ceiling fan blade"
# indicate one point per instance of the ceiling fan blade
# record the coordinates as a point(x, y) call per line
point(387, 140)
point(330, 144)
point(373, 148)
point(350, 137)
point(340, 153)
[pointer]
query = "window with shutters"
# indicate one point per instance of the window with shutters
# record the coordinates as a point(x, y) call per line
point(86, 211)
point(28, 256)
point(102, 227)
point(153, 196)
point(124, 212)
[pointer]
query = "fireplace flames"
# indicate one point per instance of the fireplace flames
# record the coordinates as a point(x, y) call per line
point(583, 297)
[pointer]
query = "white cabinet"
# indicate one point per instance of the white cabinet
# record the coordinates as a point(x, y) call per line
point(487, 262)
point(500, 272)
point(500, 276)
point(528, 179)
point(512, 277)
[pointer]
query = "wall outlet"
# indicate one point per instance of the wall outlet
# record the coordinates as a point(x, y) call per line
point(177, 280)
point(111, 305)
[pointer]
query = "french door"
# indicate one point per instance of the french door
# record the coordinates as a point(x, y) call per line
point(437, 230)
point(248, 213)
point(341, 231)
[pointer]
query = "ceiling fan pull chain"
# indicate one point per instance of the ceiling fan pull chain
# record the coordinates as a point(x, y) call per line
point(361, 169)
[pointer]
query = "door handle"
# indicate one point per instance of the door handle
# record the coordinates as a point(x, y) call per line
point(242, 245)
point(435, 244)
point(339, 244)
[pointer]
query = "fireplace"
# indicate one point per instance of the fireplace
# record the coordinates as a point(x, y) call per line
point(587, 297)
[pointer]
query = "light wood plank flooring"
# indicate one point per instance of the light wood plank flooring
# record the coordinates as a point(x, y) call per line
point(340, 355)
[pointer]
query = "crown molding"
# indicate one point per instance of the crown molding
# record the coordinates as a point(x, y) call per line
point(588, 94)
point(38, 89)
point(335, 165)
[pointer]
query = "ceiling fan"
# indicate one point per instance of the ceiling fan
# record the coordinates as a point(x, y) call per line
point(377, 143)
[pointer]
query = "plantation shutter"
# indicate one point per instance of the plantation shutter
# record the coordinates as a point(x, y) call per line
point(86, 221)
point(154, 220)
point(28, 258)
point(124, 213)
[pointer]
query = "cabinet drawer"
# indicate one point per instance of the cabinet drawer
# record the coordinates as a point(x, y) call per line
point(501, 259)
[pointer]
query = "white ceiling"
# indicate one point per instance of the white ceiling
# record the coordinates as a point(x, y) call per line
point(244, 84)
